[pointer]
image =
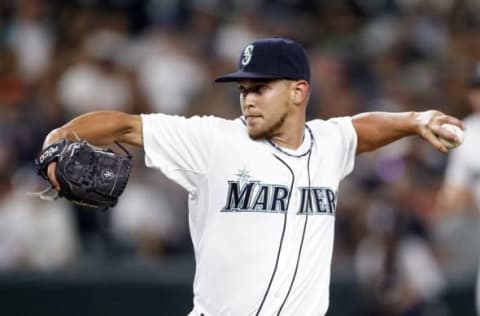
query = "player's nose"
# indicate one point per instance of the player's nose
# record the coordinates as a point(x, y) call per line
point(248, 100)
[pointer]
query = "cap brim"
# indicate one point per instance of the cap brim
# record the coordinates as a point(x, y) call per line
point(235, 76)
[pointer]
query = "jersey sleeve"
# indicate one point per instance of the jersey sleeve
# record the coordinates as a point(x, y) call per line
point(337, 139)
point(180, 147)
point(348, 142)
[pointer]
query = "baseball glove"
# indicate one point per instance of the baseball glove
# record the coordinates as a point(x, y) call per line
point(88, 175)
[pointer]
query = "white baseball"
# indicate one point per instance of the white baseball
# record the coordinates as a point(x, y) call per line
point(455, 130)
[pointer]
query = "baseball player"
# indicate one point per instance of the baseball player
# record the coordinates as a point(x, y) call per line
point(263, 188)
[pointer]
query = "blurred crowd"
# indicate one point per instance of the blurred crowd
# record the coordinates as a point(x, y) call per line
point(59, 59)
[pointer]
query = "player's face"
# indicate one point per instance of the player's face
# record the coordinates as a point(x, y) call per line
point(265, 106)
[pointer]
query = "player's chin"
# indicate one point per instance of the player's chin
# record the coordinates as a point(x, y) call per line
point(256, 133)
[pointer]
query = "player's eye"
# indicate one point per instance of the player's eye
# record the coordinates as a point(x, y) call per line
point(261, 88)
point(242, 90)
point(257, 89)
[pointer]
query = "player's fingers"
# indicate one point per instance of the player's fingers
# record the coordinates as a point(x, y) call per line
point(430, 136)
point(439, 119)
point(52, 177)
point(436, 126)
point(446, 134)
point(454, 121)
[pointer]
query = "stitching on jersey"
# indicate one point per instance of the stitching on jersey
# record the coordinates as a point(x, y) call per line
point(281, 238)
point(301, 242)
point(293, 155)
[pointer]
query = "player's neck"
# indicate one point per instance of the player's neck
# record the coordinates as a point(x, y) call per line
point(290, 137)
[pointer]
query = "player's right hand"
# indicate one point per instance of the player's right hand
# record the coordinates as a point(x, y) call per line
point(429, 127)
point(52, 177)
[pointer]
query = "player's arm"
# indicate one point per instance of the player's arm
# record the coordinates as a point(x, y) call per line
point(377, 129)
point(100, 128)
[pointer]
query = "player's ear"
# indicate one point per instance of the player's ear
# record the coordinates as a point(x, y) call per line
point(300, 90)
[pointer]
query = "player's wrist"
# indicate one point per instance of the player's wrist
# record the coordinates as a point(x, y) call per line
point(54, 136)
point(415, 122)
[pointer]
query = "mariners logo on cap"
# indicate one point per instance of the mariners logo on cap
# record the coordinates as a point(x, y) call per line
point(247, 55)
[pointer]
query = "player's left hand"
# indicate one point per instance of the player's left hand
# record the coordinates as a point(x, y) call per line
point(428, 126)
point(85, 174)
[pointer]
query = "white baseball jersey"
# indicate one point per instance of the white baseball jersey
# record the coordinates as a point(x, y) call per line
point(464, 166)
point(261, 217)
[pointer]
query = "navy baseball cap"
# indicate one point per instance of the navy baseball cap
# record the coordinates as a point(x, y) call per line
point(271, 58)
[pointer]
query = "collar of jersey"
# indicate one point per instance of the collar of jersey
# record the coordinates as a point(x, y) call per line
point(304, 149)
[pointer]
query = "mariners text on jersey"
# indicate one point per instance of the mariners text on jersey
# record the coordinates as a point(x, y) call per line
point(253, 196)
point(263, 200)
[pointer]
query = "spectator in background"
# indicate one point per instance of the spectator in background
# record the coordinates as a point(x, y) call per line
point(397, 270)
point(95, 80)
point(31, 38)
point(461, 189)
point(34, 234)
point(462, 179)
point(147, 220)
point(161, 66)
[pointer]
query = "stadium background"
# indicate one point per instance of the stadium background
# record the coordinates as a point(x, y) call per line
point(395, 253)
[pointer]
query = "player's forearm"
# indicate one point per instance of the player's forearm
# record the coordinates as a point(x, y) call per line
point(377, 129)
point(100, 128)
